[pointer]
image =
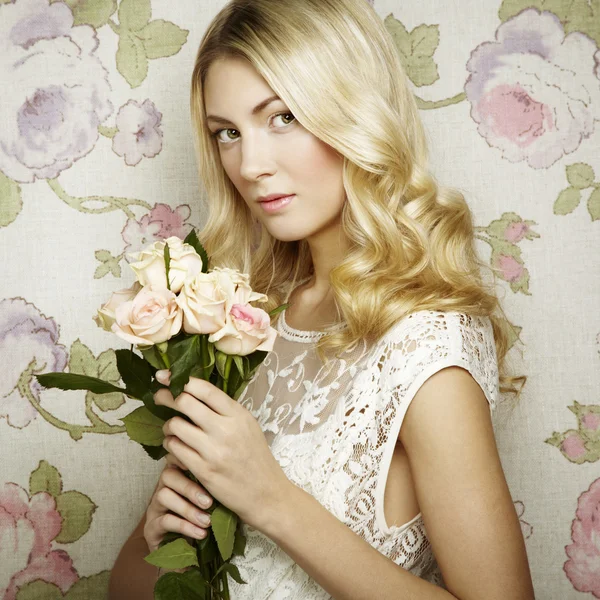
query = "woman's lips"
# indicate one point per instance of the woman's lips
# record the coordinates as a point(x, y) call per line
point(275, 205)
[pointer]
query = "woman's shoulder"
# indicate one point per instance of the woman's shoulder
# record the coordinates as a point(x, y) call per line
point(431, 327)
point(426, 341)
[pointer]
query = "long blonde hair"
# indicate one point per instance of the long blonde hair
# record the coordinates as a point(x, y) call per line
point(335, 66)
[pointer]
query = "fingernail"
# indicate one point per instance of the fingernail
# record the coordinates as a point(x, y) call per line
point(163, 376)
point(203, 501)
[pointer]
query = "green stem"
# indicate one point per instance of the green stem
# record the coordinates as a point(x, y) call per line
point(228, 362)
point(112, 202)
point(433, 104)
point(165, 358)
point(483, 239)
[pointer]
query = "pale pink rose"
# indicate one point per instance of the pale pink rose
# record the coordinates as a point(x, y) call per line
point(152, 317)
point(583, 566)
point(591, 421)
point(242, 292)
point(184, 264)
point(27, 528)
point(573, 446)
point(520, 98)
point(511, 268)
point(106, 314)
point(515, 232)
point(246, 329)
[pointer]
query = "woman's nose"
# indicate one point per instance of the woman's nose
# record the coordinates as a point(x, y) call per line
point(257, 158)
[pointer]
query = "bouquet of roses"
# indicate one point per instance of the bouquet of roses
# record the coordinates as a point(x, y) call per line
point(195, 323)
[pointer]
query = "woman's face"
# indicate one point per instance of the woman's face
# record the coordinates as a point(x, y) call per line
point(269, 152)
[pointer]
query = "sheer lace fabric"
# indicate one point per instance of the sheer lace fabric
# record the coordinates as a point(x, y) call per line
point(333, 430)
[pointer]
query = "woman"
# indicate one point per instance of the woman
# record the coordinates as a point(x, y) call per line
point(361, 456)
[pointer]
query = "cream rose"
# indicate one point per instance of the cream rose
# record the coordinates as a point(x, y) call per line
point(152, 317)
point(106, 313)
point(246, 329)
point(208, 298)
point(185, 263)
point(241, 292)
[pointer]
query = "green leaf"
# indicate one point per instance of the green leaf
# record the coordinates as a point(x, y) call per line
point(183, 586)
point(45, 478)
point(95, 13)
point(94, 587)
point(208, 548)
point(594, 204)
point(167, 257)
point(277, 310)
point(144, 427)
point(134, 14)
point(82, 360)
point(131, 59)
point(184, 356)
point(224, 523)
point(162, 38)
point(76, 510)
point(233, 571)
point(194, 242)
point(239, 363)
point(255, 359)
point(38, 589)
point(135, 373)
point(239, 543)
point(71, 381)
point(580, 175)
point(10, 200)
point(175, 555)
point(567, 201)
point(152, 355)
point(155, 452)
point(221, 359)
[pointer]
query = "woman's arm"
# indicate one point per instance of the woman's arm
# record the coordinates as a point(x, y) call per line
point(131, 575)
point(467, 509)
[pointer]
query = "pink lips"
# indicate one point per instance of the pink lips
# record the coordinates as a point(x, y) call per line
point(279, 202)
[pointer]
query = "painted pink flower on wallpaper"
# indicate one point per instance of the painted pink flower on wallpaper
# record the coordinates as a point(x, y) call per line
point(583, 566)
point(27, 528)
point(160, 223)
point(59, 92)
point(535, 91)
point(138, 131)
point(25, 335)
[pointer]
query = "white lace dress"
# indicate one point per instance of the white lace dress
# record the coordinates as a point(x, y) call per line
point(333, 430)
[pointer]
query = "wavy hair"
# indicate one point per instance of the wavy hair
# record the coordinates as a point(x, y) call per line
point(412, 241)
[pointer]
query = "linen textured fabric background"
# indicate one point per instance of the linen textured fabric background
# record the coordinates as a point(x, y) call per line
point(97, 160)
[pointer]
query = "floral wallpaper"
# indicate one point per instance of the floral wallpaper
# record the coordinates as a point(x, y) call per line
point(96, 161)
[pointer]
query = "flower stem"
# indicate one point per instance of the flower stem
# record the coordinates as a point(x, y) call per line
point(165, 358)
point(228, 362)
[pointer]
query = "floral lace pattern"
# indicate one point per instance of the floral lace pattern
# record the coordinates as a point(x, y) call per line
point(333, 429)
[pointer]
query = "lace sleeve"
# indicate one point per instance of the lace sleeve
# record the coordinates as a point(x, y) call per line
point(428, 341)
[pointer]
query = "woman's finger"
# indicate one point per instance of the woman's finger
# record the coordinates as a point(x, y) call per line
point(175, 462)
point(175, 503)
point(170, 522)
point(185, 487)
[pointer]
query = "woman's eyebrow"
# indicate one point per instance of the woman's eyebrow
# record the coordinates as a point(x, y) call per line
point(255, 110)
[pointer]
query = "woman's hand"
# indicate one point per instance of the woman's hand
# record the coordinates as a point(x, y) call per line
point(225, 448)
point(175, 492)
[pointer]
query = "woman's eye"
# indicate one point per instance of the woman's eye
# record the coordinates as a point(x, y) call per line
point(227, 139)
point(287, 114)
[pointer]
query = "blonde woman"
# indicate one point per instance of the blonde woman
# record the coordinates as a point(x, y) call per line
point(361, 456)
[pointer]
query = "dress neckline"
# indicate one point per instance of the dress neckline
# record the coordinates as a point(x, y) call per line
point(302, 335)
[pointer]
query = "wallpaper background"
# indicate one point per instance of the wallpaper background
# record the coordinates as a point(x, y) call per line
point(96, 160)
